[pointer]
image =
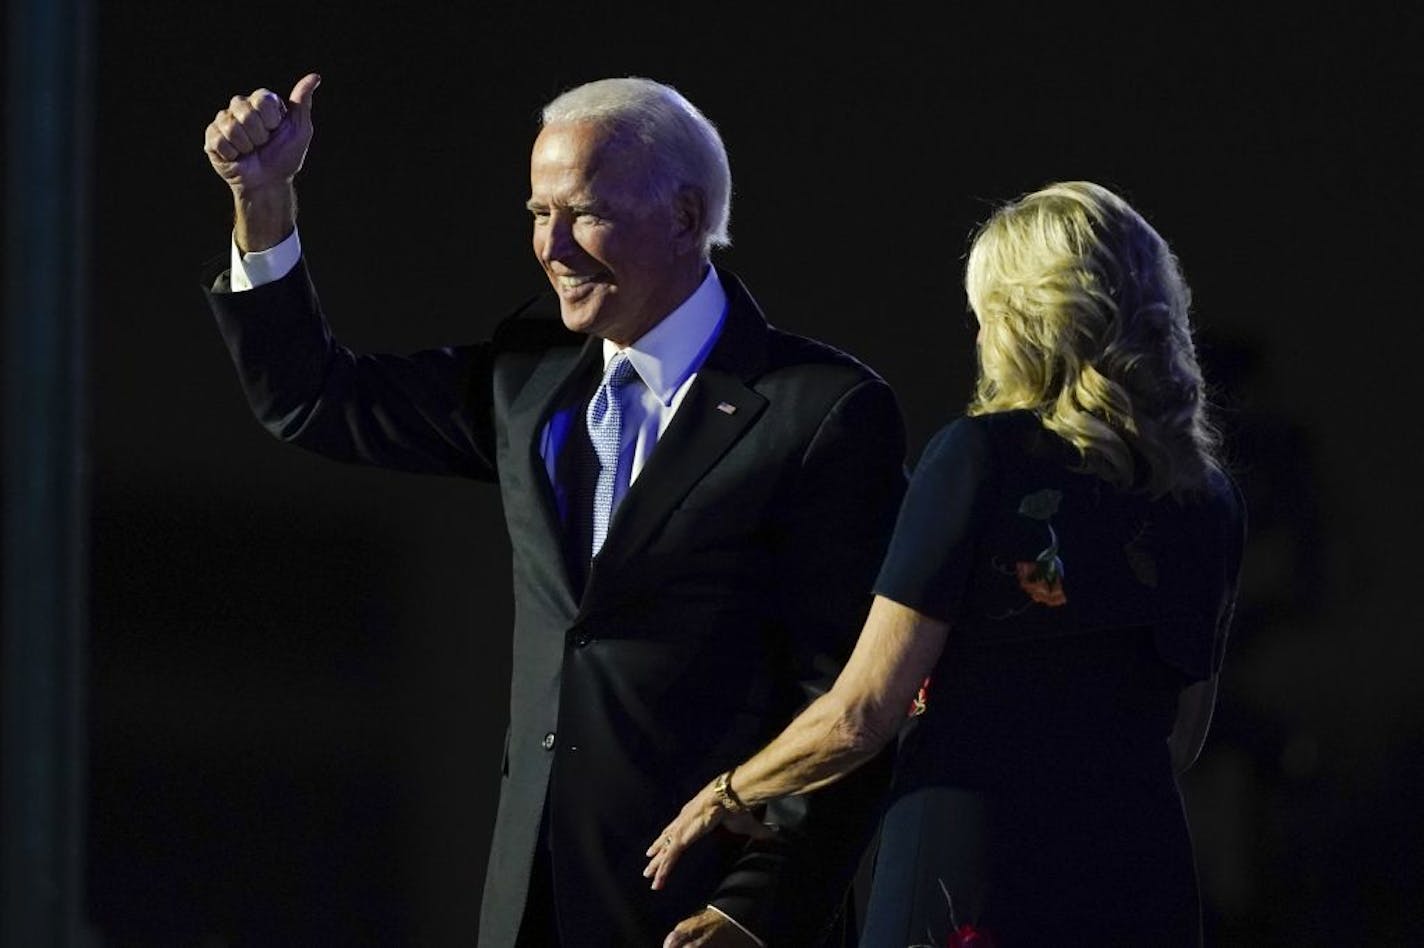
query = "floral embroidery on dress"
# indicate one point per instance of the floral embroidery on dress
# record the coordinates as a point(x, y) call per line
point(1044, 584)
point(1041, 504)
point(1042, 577)
point(967, 936)
point(920, 703)
point(960, 934)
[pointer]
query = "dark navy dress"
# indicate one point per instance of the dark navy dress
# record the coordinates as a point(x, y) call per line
point(1036, 788)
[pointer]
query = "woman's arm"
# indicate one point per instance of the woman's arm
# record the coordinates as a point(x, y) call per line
point(836, 733)
point(1194, 707)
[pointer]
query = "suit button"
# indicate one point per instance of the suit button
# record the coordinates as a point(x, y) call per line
point(549, 741)
point(582, 641)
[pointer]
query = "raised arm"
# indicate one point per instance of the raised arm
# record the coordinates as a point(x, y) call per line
point(426, 413)
point(256, 146)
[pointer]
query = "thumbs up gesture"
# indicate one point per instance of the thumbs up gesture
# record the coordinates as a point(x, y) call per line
point(259, 141)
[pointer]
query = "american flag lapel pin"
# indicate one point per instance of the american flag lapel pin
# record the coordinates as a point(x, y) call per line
point(727, 408)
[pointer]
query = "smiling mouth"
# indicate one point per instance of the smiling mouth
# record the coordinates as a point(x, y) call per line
point(574, 281)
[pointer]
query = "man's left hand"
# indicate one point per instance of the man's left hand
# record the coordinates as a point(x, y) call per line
point(708, 929)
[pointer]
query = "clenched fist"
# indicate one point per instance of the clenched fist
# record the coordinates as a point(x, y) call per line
point(257, 145)
point(258, 141)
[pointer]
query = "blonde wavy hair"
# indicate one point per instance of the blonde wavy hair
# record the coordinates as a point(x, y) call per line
point(1083, 316)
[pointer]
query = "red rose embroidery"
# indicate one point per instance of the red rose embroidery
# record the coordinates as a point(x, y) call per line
point(921, 700)
point(967, 936)
point(1043, 584)
point(961, 936)
point(1042, 577)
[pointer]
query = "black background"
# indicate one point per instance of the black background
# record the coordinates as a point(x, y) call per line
point(299, 670)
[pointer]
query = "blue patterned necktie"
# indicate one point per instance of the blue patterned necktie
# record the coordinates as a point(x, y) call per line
point(605, 431)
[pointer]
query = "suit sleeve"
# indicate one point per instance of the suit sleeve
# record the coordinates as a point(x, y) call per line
point(790, 890)
point(428, 413)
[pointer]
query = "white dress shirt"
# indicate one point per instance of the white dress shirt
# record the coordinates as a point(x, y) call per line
point(666, 359)
point(251, 270)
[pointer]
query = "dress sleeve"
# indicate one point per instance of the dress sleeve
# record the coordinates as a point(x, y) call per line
point(932, 552)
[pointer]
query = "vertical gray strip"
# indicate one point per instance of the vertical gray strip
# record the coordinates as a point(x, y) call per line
point(49, 115)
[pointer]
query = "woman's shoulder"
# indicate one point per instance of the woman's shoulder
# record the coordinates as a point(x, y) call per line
point(1219, 510)
point(961, 450)
point(1224, 494)
point(995, 423)
point(1216, 507)
point(984, 434)
point(1000, 444)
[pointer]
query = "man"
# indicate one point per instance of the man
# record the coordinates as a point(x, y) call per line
point(697, 504)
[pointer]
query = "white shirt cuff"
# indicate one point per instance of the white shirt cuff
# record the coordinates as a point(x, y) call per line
point(744, 930)
point(251, 270)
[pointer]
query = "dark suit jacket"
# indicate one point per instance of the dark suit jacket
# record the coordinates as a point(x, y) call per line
point(733, 581)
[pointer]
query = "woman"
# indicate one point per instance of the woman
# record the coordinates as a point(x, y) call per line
point(1053, 609)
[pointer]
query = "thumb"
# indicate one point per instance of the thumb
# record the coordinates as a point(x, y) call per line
point(303, 91)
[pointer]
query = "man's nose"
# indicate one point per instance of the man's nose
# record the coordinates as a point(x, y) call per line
point(558, 243)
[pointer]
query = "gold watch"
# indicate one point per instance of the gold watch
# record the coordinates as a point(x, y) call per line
point(726, 796)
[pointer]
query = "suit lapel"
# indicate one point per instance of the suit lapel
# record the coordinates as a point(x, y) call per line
point(556, 380)
point(717, 409)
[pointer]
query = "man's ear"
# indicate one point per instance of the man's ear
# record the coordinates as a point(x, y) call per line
point(689, 218)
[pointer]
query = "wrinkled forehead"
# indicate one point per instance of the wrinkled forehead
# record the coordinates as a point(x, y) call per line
point(581, 151)
point(574, 161)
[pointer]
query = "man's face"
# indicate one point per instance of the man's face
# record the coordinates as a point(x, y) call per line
point(618, 260)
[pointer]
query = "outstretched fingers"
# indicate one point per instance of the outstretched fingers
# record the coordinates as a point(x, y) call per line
point(665, 852)
point(699, 815)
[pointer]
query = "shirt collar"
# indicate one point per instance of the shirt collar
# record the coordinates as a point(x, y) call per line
point(672, 350)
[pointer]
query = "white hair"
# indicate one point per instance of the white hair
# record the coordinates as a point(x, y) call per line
point(685, 147)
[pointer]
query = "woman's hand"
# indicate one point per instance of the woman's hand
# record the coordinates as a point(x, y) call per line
point(833, 735)
point(699, 817)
